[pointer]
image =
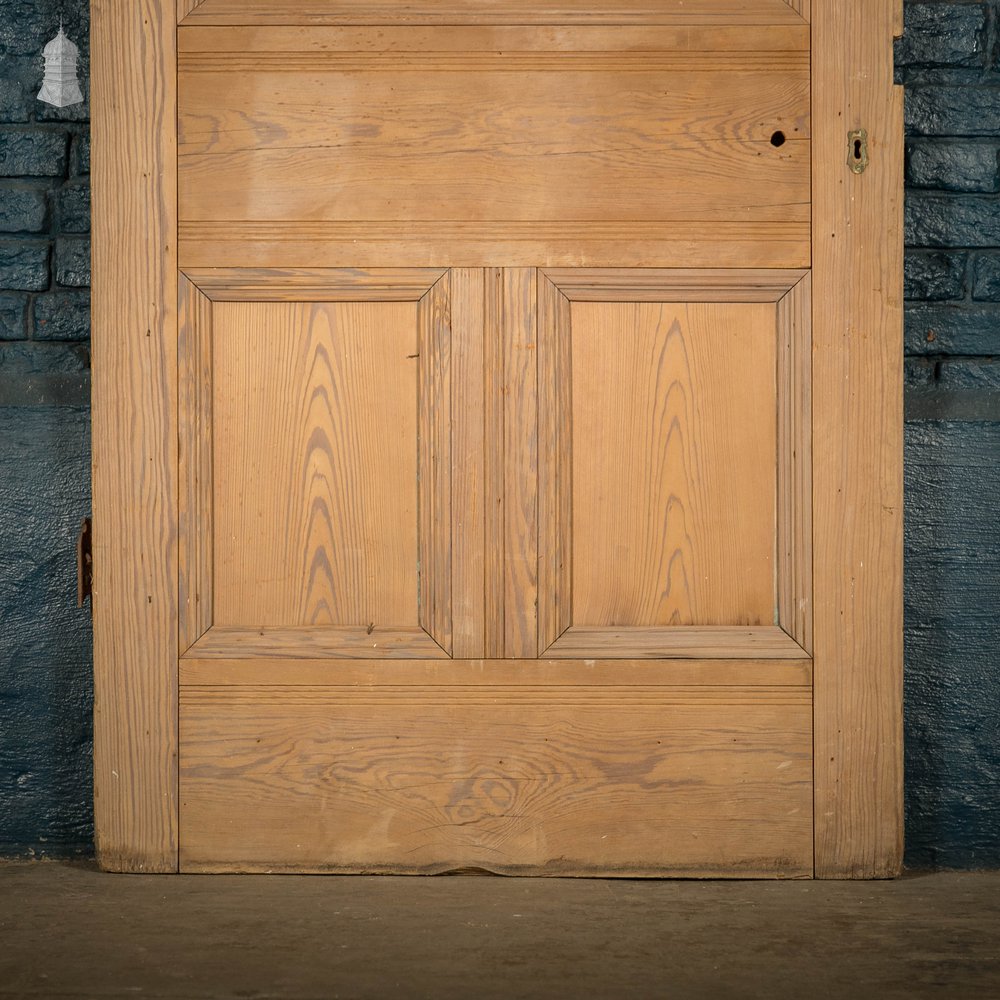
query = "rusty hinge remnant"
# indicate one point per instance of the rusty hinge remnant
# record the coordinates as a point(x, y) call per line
point(84, 562)
point(857, 150)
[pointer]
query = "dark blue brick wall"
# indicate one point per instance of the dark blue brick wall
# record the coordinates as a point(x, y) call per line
point(45, 640)
point(950, 62)
point(45, 663)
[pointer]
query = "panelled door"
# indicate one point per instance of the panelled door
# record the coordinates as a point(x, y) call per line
point(519, 454)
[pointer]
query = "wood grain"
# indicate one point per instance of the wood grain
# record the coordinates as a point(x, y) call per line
point(258, 670)
point(654, 284)
point(469, 445)
point(317, 366)
point(673, 463)
point(315, 442)
point(312, 284)
point(185, 7)
point(794, 465)
point(520, 456)
point(377, 642)
point(555, 464)
point(135, 436)
point(721, 12)
point(434, 465)
point(633, 61)
point(685, 641)
point(494, 526)
point(492, 38)
point(563, 135)
point(713, 780)
point(801, 7)
point(857, 444)
point(302, 243)
point(493, 132)
point(481, 180)
point(194, 462)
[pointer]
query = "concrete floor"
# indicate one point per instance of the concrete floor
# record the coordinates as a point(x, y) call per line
point(70, 931)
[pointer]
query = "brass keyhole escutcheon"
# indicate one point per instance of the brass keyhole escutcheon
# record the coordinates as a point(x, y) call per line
point(857, 151)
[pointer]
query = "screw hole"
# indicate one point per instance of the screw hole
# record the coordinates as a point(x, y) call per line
point(778, 138)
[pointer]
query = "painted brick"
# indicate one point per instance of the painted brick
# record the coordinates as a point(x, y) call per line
point(943, 388)
point(952, 686)
point(951, 329)
point(46, 699)
point(934, 275)
point(953, 111)
point(981, 374)
point(13, 315)
point(19, 359)
point(62, 316)
point(15, 99)
point(21, 34)
point(22, 209)
point(954, 166)
point(73, 261)
point(939, 220)
point(986, 278)
point(80, 158)
point(73, 208)
point(943, 34)
point(26, 25)
point(32, 153)
point(74, 113)
point(24, 265)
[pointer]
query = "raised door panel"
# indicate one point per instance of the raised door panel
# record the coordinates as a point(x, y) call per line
point(673, 463)
point(316, 463)
point(315, 488)
point(672, 485)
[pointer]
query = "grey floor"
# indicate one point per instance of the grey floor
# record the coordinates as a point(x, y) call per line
point(71, 931)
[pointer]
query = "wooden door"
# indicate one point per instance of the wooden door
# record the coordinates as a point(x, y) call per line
point(497, 437)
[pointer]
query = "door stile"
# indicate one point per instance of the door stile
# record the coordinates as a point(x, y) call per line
point(135, 436)
point(857, 443)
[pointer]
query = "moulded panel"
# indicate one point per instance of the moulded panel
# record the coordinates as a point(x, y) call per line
point(673, 463)
point(316, 462)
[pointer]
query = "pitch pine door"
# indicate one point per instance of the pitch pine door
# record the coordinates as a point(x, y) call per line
point(511, 428)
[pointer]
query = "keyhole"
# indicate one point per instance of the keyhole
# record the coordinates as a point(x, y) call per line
point(778, 138)
point(857, 149)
